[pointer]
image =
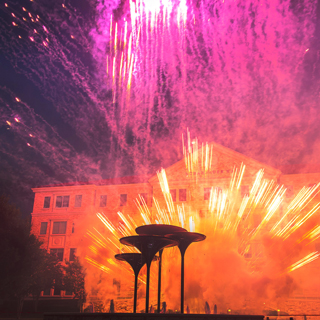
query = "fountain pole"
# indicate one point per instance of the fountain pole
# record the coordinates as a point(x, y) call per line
point(159, 280)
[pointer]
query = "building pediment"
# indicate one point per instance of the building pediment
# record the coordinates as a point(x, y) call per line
point(223, 161)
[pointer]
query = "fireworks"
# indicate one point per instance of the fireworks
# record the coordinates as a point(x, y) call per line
point(123, 81)
point(307, 259)
point(242, 220)
point(116, 90)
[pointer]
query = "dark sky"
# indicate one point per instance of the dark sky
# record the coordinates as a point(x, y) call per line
point(244, 74)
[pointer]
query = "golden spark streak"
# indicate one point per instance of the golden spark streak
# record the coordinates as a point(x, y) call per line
point(98, 241)
point(125, 35)
point(242, 168)
point(97, 264)
point(115, 40)
point(257, 182)
point(233, 178)
point(162, 217)
point(93, 249)
point(114, 79)
point(307, 259)
point(166, 192)
point(302, 220)
point(287, 231)
point(130, 74)
point(126, 222)
point(120, 71)
point(288, 225)
point(313, 234)
point(144, 209)
point(110, 34)
point(101, 235)
point(243, 206)
point(302, 199)
point(107, 223)
point(181, 215)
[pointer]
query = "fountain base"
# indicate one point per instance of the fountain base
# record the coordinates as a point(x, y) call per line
point(147, 316)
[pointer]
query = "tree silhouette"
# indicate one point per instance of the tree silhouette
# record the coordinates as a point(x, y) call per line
point(20, 255)
point(49, 273)
point(74, 280)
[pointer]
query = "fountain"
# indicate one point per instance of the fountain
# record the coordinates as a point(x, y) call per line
point(150, 240)
point(136, 261)
point(159, 230)
point(153, 238)
point(148, 245)
point(184, 239)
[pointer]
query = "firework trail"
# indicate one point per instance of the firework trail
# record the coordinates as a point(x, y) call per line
point(248, 231)
point(118, 81)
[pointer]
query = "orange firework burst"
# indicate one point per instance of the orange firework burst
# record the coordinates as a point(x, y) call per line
point(246, 228)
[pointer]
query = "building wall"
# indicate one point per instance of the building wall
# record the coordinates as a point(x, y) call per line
point(90, 205)
point(72, 215)
point(92, 195)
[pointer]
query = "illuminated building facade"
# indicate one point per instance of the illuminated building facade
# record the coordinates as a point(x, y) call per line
point(59, 208)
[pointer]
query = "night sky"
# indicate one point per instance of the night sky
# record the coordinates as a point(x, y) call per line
point(244, 74)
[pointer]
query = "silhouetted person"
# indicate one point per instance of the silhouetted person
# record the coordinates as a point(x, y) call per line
point(151, 309)
point(188, 310)
point(111, 306)
point(215, 309)
point(164, 307)
point(207, 308)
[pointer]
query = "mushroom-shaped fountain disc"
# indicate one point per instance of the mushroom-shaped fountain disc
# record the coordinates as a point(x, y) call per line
point(184, 239)
point(136, 261)
point(159, 230)
point(148, 246)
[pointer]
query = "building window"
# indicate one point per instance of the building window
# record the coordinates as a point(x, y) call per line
point(173, 193)
point(57, 291)
point(58, 253)
point(62, 201)
point(123, 200)
point(43, 228)
point(46, 203)
point(78, 201)
point(103, 200)
point(72, 230)
point(59, 227)
point(206, 193)
point(289, 192)
point(47, 292)
point(144, 196)
point(203, 213)
point(182, 194)
point(245, 191)
point(72, 255)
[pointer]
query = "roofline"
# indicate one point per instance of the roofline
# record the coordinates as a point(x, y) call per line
point(228, 151)
point(93, 186)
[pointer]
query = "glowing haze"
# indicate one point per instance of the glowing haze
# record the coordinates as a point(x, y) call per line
point(96, 89)
point(254, 259)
